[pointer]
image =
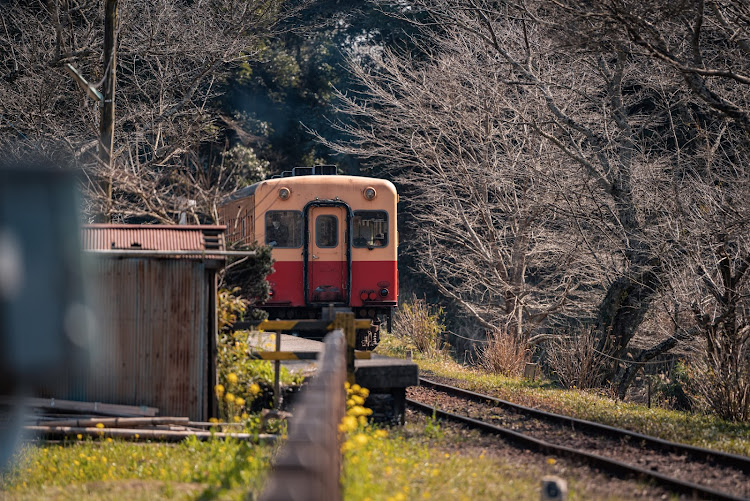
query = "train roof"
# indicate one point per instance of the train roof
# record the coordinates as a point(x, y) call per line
point(305, 179)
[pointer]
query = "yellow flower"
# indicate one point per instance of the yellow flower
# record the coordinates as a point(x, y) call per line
point(213, 420)
point(255, 388)
point(381, 433)
point(232, 378)
point(348, 423)
point(360, 439)
point(551, 461)
point(109, 440)
point(239, 401)
point(229, 398)
point(79, 436)
point(219, 389)
point(358, 400)
point(245, 415)
point(236, 419)
point(347, 446)
point(362, 421)
point(99, 425)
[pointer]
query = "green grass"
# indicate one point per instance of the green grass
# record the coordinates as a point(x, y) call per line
point(105, 469)
point(425, 461)
point(691, 428)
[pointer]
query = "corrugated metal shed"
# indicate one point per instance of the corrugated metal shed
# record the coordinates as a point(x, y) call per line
point(156, 341)
point(153, 237)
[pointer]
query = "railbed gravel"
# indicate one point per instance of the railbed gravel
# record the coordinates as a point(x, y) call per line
point(725, 479)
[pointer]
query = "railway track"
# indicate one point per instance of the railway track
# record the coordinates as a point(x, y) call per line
point(693, 471)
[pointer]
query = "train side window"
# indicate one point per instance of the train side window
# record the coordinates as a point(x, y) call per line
point(326, 231)
point(284, 229)
point(370, 228)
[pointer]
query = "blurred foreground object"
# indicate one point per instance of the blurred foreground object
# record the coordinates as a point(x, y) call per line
point(44, 322)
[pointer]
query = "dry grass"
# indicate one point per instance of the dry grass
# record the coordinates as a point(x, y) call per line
point(503, 354)
point(421, 323)
point(574, 362)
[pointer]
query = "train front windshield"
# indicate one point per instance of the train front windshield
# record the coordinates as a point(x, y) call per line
point(370, 228)
point(284, 228)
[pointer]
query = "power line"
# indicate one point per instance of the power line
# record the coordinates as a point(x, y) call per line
point(633, 361)
point(468, 338)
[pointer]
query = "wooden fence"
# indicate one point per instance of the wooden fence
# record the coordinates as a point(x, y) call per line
point(308, 465)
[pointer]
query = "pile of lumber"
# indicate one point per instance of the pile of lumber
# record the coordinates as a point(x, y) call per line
point(61, 419)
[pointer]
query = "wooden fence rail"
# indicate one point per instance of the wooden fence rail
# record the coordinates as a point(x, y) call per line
point(307, 467)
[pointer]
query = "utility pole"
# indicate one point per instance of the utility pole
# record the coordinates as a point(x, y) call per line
point(106, 101)
point(107, 120)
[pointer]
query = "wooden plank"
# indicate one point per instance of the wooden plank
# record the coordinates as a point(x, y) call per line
point(141, 434)
point(89, 407)
point(114, 422)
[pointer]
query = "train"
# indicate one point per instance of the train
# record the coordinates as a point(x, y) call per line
point(333, 239)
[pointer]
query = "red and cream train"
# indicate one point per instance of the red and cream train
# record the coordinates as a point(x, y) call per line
point(333, 239)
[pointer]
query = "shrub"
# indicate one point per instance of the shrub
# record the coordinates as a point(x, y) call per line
point(247, 276)
point(503, 354)
point(244, 385)
point(574, 362)
point(720, 379)
point(421, 323)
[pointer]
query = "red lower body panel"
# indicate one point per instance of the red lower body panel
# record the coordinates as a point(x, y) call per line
point(368, 277)
point(286, 284)
point(374, 276)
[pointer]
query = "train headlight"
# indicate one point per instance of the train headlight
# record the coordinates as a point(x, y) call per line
point(384, 292)
point(284, 193)
point(369, 193)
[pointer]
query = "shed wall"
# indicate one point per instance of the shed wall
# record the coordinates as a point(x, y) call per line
point(155, 336)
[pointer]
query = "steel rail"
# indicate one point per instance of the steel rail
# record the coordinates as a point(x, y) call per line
point(724, 458)
point(595, 460)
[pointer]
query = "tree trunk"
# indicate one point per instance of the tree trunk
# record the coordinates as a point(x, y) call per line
point(107, 121)
point(621, 313)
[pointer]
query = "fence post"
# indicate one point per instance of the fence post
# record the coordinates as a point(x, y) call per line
point(345, 322)
point(277, 376)
point(307, 468)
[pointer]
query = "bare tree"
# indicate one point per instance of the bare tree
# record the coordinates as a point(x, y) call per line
point(483, 187)
point(710, 281)
point(594, 115)
point(706, 42)
point(705, 46)
point(172, 58)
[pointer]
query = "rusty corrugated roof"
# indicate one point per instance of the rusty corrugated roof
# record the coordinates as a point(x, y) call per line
point(153, 237)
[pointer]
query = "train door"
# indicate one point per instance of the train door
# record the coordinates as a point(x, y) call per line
point(328, 268)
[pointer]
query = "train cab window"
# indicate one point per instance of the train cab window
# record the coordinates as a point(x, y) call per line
point(326, 231)
point(370, 228)
point(284, 228)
